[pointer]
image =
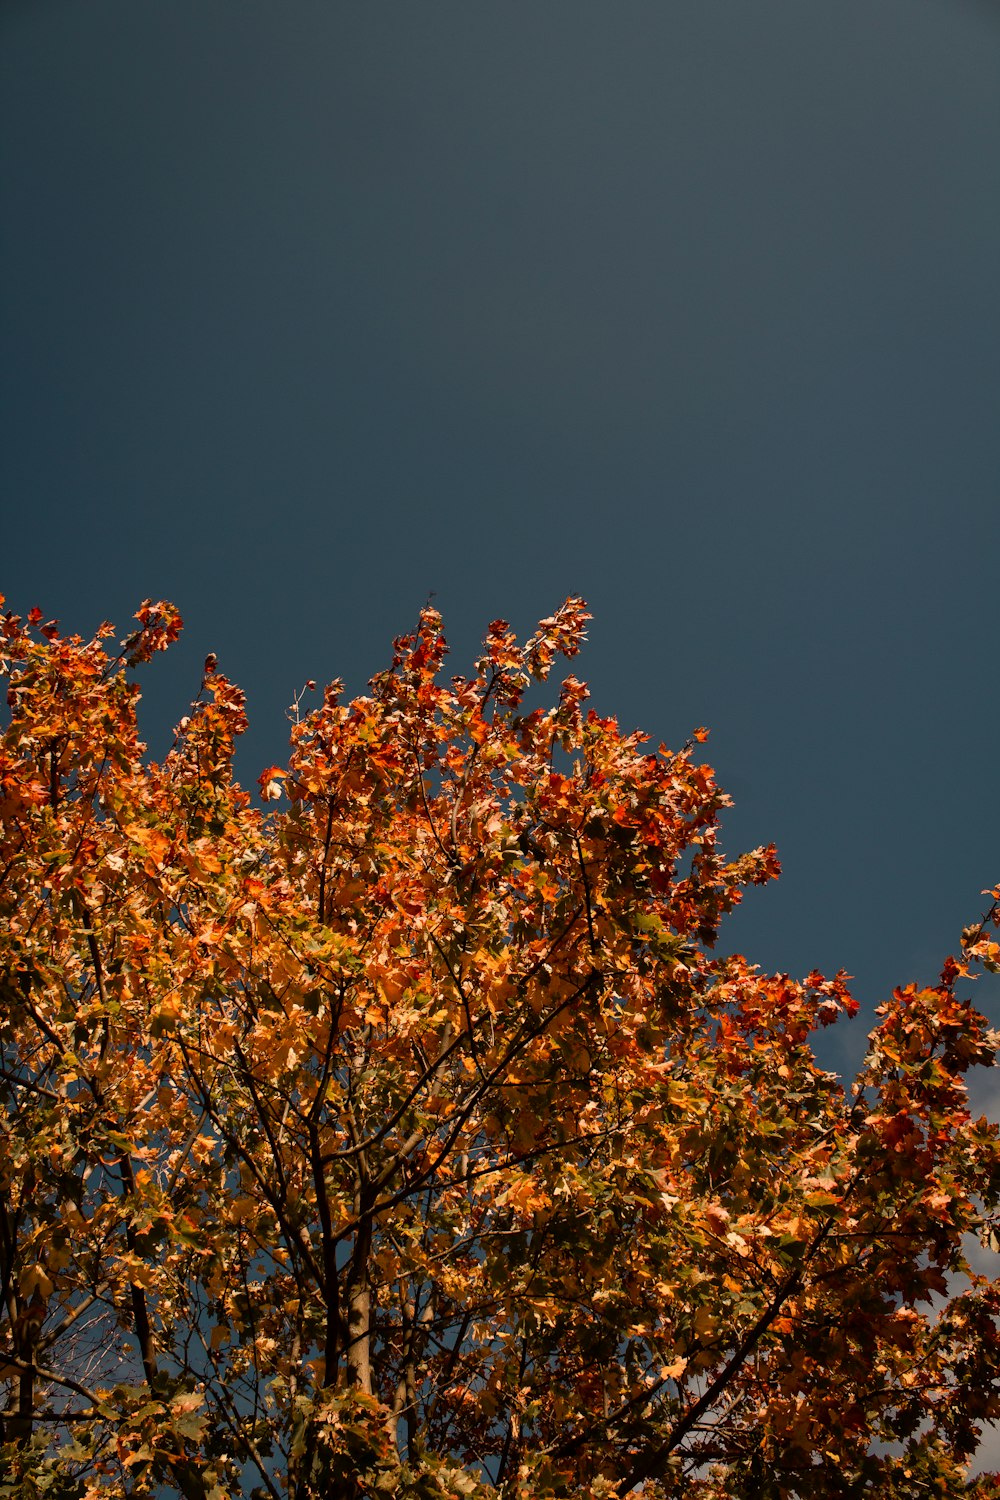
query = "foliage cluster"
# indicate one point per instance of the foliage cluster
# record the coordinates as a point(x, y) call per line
point(408, 1137)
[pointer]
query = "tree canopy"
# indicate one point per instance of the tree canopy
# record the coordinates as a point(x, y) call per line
point(403, 1133)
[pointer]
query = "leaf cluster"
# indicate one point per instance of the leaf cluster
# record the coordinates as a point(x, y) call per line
point(410, 1137)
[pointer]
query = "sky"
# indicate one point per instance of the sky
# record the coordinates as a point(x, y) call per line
point(309, 311)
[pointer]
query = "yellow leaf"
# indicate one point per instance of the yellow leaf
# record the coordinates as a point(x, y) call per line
point(705, 1322)
point(35, 1278)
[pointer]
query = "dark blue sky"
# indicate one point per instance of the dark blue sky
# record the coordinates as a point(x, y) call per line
point(310, 309)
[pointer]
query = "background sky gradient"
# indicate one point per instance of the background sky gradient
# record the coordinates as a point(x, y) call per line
point(309, 310)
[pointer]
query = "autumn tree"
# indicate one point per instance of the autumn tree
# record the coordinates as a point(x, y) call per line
point(410, 1138)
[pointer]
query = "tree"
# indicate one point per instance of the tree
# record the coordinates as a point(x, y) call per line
point(409, 1138)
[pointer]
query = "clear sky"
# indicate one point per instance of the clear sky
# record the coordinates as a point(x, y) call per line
point(692, 308)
